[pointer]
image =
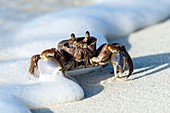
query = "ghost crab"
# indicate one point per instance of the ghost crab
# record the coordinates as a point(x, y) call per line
point(81, 52)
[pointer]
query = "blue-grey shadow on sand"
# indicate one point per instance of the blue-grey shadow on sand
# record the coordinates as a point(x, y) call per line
point(151, 62)
point(91, 82)
point(41, 110)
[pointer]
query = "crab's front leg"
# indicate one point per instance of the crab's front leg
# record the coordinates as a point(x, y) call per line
point(117, 60)
point(127, 59)
point(34, 63)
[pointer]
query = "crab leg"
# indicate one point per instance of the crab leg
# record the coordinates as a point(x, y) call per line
point(115, 66)
point(34, 63)
point(128, 62)
point(117, 70)
point(127, 59)
point(117, 62)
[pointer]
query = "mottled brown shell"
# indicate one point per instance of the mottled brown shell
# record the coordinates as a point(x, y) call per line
point(70, 49)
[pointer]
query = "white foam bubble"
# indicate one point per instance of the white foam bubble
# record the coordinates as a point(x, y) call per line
point(52, 88)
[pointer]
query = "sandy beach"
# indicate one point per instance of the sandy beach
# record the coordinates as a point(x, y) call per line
point(146, 91)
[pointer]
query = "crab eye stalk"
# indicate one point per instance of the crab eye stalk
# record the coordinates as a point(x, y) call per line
point(73, 37)
point(87, 34)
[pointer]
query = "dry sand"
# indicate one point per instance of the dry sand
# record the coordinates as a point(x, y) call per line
point(148, 89)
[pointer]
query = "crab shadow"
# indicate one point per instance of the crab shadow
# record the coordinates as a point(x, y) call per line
point(91, 82)
point(42, 110)
point(150, 64)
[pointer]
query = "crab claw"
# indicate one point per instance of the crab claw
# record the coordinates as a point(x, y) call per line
point(129, 62)
point(127, 59)
point(34, 63)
